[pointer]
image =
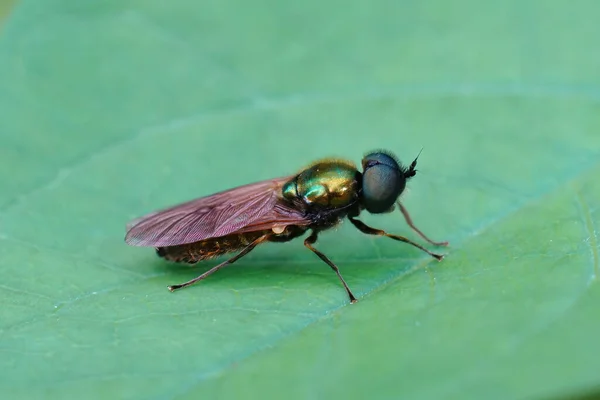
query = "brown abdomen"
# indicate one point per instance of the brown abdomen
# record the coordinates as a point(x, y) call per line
point(191, 253)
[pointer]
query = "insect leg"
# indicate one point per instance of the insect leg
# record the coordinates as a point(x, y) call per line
point(214, 269)
point(308, 243)
point(372, 231)
point(410, 223)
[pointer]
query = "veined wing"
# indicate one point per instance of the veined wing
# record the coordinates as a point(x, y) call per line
point(280, 216)
point(217, 215)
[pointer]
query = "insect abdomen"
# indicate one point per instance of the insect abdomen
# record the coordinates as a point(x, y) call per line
point(192, 253)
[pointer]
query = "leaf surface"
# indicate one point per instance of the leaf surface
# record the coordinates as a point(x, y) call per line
point(111, 110)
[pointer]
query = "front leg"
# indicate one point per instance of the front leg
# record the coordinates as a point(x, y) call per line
point(378, 232)
point(410, 223)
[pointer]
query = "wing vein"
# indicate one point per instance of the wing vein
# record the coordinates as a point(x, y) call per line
point(250, 207)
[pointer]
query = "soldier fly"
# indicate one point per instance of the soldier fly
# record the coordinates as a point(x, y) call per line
point(279, 210)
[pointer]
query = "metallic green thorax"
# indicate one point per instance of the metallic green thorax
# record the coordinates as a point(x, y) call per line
point(327, 184)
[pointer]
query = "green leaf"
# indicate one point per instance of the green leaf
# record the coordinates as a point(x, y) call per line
point(109, 110)
point(5, 7)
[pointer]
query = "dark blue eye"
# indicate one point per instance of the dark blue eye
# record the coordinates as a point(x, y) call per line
point(383, 182)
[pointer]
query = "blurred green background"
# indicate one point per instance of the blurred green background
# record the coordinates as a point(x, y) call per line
point(112, 109)
point(5, 7)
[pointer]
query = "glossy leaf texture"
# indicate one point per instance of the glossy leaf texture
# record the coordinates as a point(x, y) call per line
point(110, 110)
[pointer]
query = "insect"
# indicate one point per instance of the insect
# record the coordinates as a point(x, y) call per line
point(279, 210)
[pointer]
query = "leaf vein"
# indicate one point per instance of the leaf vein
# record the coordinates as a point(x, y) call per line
point(589, 92)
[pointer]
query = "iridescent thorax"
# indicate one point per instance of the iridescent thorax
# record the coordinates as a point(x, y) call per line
point(326, 184)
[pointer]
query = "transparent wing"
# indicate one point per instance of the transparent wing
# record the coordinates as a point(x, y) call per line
point(240, 209)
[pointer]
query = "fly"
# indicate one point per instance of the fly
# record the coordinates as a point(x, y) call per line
point(279, 210)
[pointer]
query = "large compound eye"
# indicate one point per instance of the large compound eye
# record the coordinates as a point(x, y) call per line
point(383, 181)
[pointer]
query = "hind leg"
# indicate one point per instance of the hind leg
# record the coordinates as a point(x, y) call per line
point(233, 259)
